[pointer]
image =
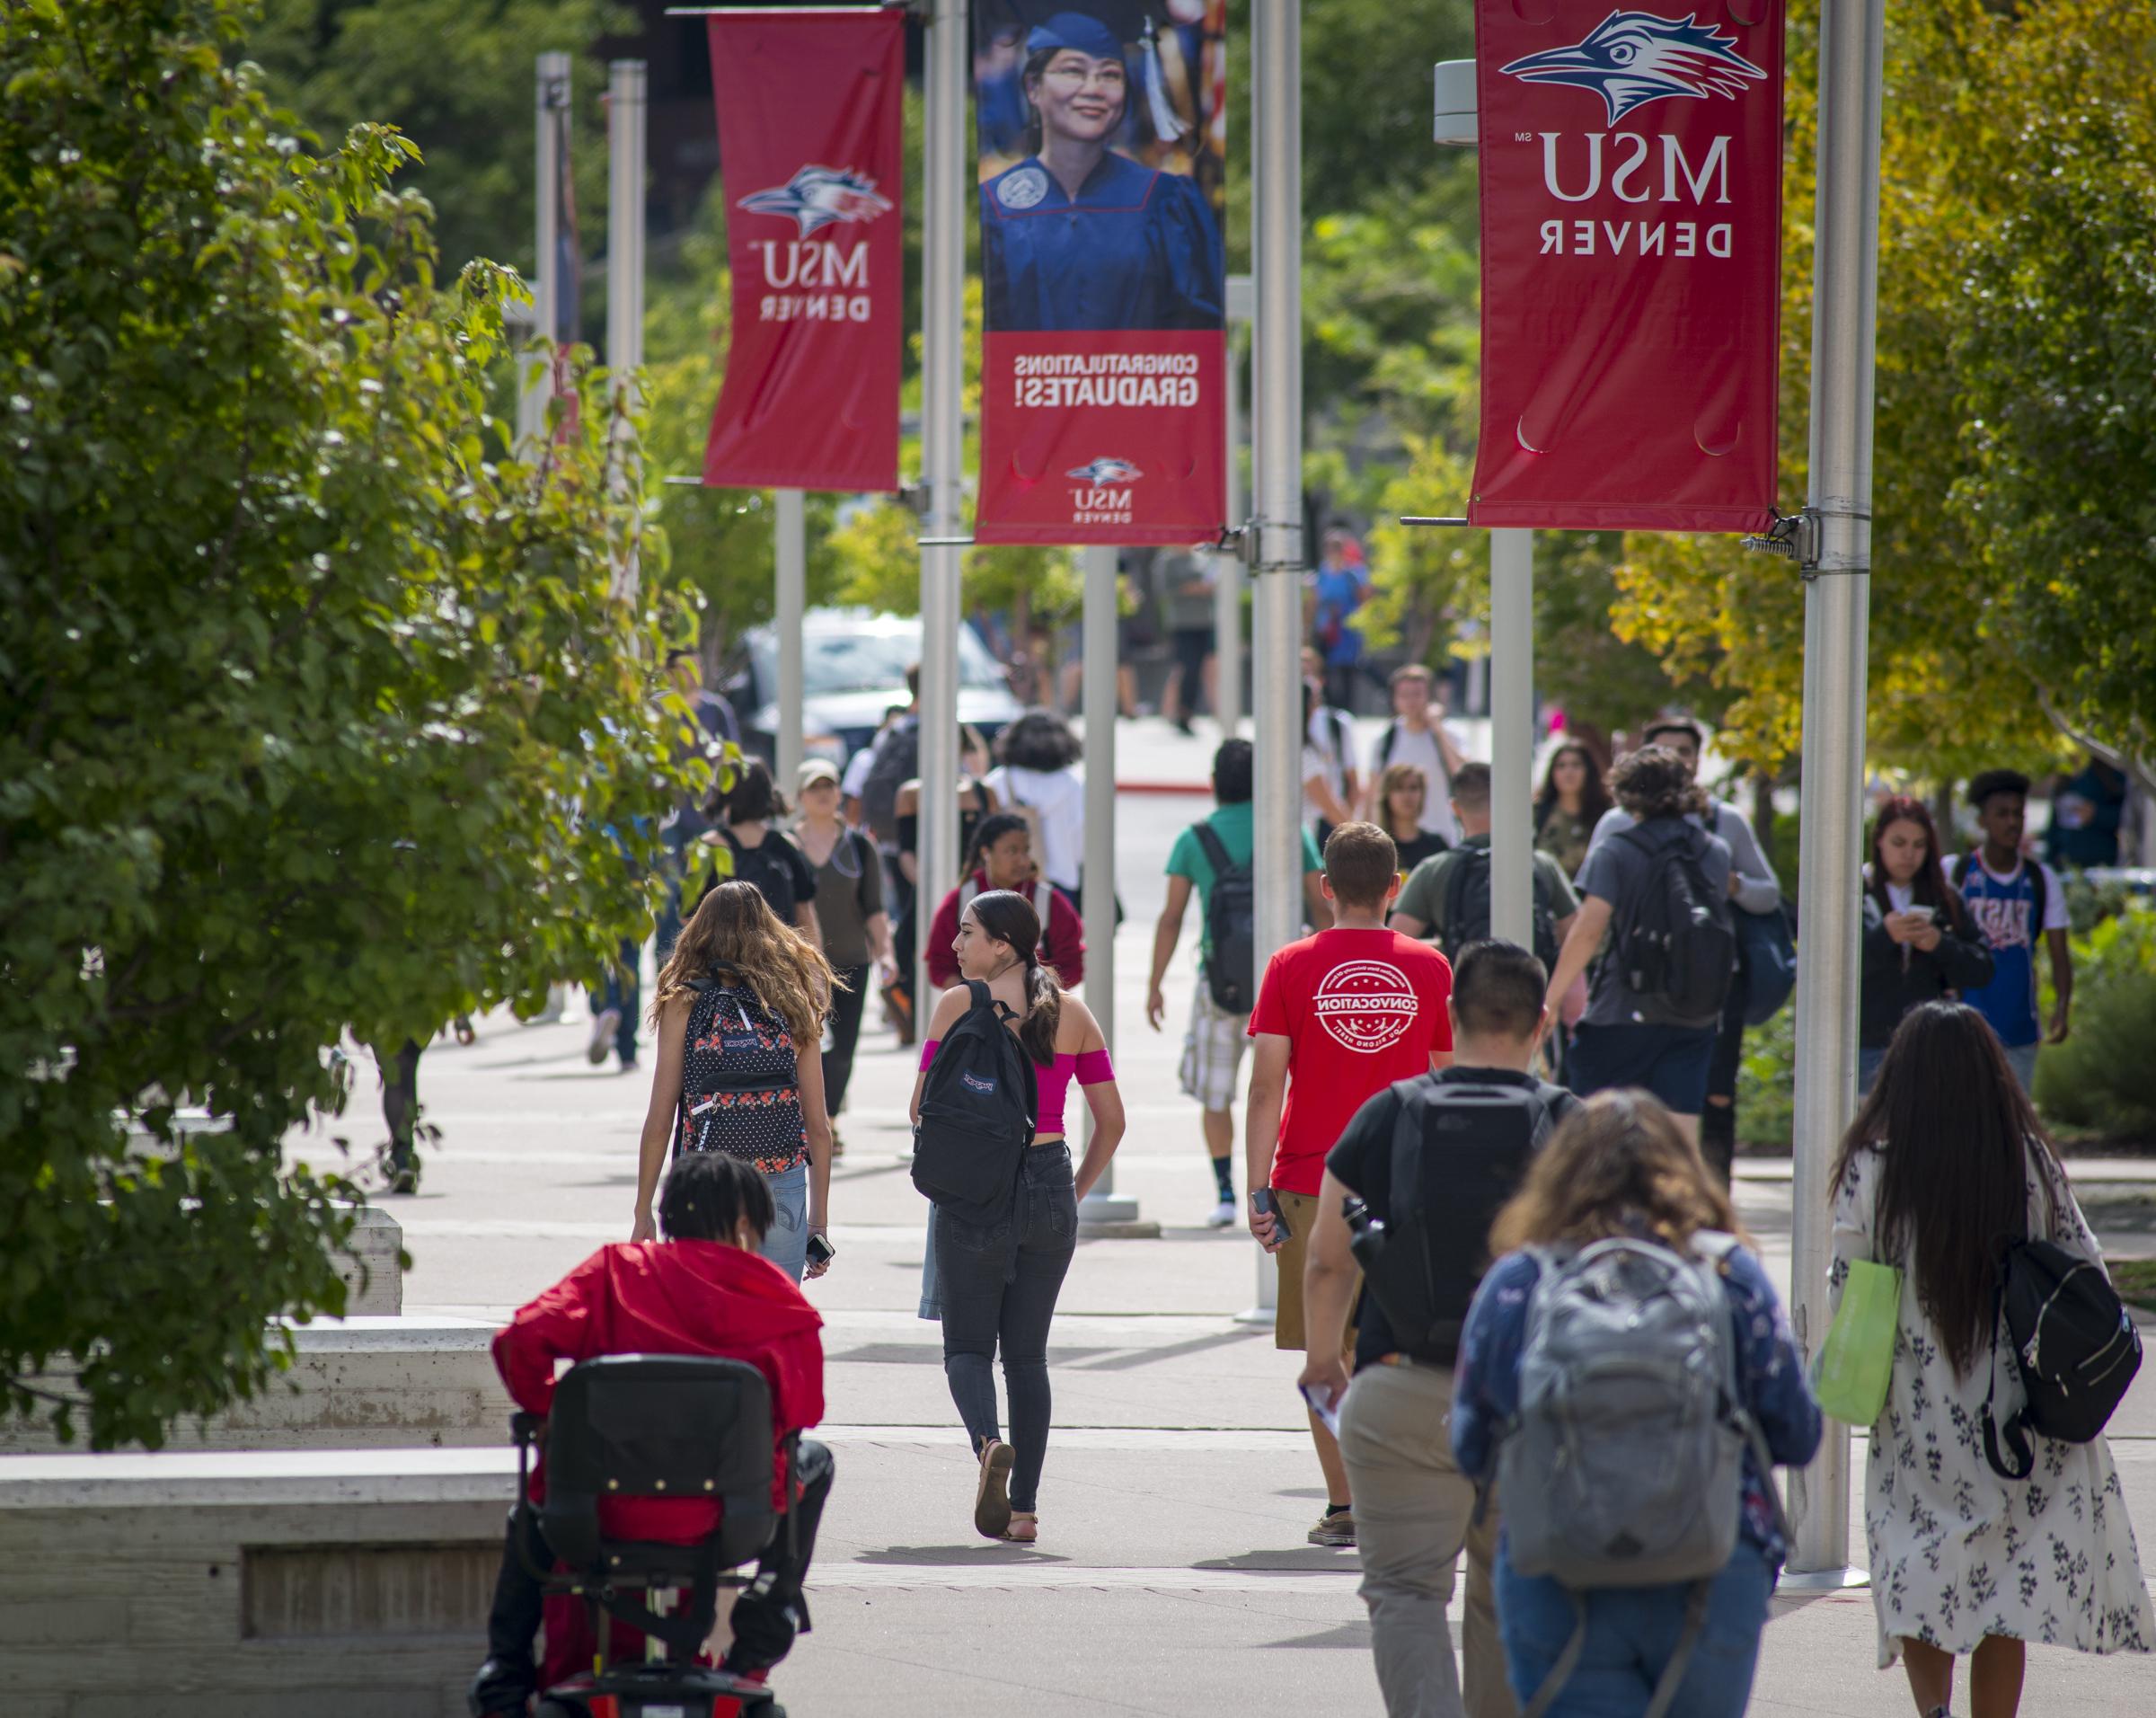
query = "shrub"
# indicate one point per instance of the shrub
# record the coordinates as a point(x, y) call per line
point(2103, 1078)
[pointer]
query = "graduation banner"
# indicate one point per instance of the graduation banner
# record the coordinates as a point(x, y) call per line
point(1102, 129)
point(810, 152)
point(1630, 166)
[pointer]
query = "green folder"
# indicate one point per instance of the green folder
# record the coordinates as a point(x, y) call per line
point(1857, 1363)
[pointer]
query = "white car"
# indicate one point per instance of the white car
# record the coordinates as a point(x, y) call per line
point(854, 664)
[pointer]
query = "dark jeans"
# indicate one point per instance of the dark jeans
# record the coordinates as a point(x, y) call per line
point(766, 1614)
point(623, 989)
point(846, 1004)
point(997, 1287)
point(400, 1099)
point(1718, 1121)
point(1341, 681)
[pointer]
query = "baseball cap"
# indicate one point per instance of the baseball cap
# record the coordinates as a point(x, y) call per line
point(812, 771)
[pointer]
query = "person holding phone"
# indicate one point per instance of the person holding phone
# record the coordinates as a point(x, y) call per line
point(1338, 1017)
point(1920, 941)
point(738, 1017)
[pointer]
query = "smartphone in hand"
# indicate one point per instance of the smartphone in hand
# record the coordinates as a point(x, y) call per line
point(1264, 1204)
point(820, 1251)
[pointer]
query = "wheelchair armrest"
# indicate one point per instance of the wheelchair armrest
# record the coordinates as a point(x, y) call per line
point(527, 1428)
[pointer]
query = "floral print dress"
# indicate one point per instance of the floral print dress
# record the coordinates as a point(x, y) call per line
point(1957, 1551)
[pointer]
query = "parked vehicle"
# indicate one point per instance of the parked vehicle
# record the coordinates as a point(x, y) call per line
point(854, 664)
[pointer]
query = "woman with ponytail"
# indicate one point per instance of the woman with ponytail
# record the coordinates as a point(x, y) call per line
point(997, 1284)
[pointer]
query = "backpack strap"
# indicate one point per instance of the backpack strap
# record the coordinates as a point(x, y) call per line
point(1406, 1197)
point(1215, 849)
point(1384, 746)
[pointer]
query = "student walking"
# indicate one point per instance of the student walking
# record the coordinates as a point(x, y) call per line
point(738, 1013)
point(1002, 857)
point(1036, 773)
point(1945, 1163)
point(1447, 896)
point(1418, 735)
point(1401, 791)
point(1570, 804)
point(1328, 731)
point(1660, 887)
point(1754, 889)
point(849, 913)
point(762, 857)
point(1213, 856)
point(1920, 942)
point(1468, 1135)
point(1340, 1016)
point(998, 1281)
point(2015, 901)
point(1622, 1244)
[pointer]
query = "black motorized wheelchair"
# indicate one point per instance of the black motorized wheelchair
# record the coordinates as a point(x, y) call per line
point(656, 1426)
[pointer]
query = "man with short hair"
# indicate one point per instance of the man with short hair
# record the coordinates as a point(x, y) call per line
point(1754, 888)
point(1425, 903)
point(1212, 1045)
point(2013, 900)
point(1416, 735)
point(701, 1290)
point(1340, 1015)
point(1413, 1511)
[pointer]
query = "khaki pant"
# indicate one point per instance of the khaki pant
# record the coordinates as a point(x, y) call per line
point(1412, 1509)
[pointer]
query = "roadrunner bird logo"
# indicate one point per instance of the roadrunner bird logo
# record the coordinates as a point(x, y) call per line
point(819, 197)
point(1633, 58)
point(1101, 472)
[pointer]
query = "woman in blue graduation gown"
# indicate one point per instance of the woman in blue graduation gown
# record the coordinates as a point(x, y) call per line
point(1078, 237)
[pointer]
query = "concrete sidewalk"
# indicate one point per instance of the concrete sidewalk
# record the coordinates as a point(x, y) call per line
point(1172, 1576)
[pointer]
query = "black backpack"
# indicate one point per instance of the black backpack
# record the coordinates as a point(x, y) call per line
point(1467, 908)
point(1460, 1149)
point(2075, 1349)
point(766, 866)
point(1231, 926)
point(977, 1107)
point(741, 1077)
point(1675, 943)
point(897, 762)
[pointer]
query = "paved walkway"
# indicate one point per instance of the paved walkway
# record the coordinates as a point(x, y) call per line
point(1172, 1576)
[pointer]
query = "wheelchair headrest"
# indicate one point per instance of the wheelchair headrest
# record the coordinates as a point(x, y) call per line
point(660, 1425)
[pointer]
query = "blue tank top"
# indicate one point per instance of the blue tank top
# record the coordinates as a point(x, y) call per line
point(2006, 911)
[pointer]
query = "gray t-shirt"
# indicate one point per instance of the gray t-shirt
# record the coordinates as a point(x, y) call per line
point(1615, 870)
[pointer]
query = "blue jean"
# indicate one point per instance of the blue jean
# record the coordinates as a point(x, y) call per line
point(786, 1242)
point(1632, 1633)
point(1869, 1057)
point(1673, 1062)
point(2022, 1060)
point(998, 1284)
point(623, 991)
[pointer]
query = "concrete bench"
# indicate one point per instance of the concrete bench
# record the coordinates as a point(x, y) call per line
point(356, 1383)
point(339, 1583)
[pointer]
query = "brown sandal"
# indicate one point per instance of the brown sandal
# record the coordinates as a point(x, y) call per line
point(992, 1500)
point(1024, 1529)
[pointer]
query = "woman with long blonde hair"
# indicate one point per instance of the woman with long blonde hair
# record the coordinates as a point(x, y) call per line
point(738, 1015)
point(1620, 1169)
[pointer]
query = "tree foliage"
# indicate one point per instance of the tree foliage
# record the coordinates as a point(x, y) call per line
point(317, 708)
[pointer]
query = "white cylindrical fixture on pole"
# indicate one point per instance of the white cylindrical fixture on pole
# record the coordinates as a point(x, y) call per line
point(1837, 599)
point(536, 375)
point(1512, 736)
point(790, 529)
point(1102, 1211)
point(626, 109)
point(946, 187)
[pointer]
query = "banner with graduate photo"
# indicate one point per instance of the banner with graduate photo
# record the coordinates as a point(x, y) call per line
point(1102, 131)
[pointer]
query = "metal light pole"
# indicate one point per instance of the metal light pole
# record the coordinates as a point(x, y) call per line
point(1102, 1212)
point(942, 358)
point(535, 374)
point(626, 110)
point(1227, 590)
point(1837, 594)
point(790, 528)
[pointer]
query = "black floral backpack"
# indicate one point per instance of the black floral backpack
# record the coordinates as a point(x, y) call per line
point(740, 1079)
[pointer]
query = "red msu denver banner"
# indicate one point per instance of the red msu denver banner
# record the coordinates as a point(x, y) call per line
point(1102, 134)
point(811, 151)
point(1632, 249)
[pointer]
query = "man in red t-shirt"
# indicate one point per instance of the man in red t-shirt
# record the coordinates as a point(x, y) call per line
point(1339, 1017)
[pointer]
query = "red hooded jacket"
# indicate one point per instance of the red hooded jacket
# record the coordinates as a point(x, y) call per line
point(671, 1298)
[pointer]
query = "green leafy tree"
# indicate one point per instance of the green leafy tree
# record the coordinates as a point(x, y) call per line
point(458, 75)
point(318, 708)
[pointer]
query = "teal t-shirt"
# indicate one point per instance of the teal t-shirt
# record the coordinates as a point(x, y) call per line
point(1233, 824)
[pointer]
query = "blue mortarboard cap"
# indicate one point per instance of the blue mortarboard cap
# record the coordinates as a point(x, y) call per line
point(1074, 30)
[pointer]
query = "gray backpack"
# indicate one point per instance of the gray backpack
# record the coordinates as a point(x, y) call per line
point(1622, 1466)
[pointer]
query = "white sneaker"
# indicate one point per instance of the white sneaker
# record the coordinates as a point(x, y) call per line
point(1223, 1215)
point(603, 1025)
